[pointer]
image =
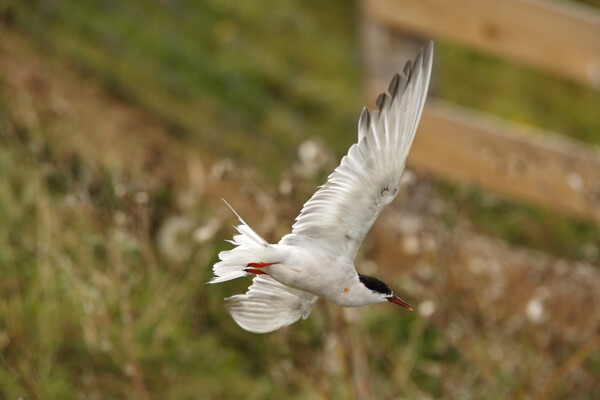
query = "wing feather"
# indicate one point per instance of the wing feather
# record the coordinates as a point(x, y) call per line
point(339, 215)
point(269, 305)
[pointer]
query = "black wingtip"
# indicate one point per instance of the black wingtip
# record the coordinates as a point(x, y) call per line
point(407, 69)
point(393, 88)
point(364, 121)
point(382, 100)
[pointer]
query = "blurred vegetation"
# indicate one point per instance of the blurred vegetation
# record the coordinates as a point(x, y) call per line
point(219, 70)
point(223, 72)
point(89, 306)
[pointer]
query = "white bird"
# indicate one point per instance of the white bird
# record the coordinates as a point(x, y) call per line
point(317, 258)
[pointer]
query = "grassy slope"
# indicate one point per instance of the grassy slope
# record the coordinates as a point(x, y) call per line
point(89, 306)
point(215, 73)
point(280, 74)
point(219, 71)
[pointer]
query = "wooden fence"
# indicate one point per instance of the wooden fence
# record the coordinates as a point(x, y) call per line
point(466, 145)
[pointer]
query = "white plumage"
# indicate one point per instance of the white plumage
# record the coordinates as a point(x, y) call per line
point(317, 258)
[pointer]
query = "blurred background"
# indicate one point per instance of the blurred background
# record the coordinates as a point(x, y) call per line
point(124, 123)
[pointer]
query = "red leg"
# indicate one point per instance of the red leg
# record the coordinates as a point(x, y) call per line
point(254, 271)
point(260, 264)
point(253, 267)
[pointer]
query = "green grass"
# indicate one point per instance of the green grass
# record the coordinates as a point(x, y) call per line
point(517, 93)
point(524, 224)
point(89, 304)
point(86, 309)
point(221, 71)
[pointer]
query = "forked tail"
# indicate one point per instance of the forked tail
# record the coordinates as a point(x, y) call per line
point(250, 248)
point(268, 305)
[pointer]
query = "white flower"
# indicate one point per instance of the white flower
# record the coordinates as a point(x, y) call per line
point(426, 308)
point(313, 156)
point(207, 231)
point(535, 310)
point(175, 238)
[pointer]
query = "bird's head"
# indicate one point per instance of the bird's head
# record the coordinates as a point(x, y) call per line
point(380, 291)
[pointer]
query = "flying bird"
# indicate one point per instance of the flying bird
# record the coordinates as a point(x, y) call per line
point(317, 258)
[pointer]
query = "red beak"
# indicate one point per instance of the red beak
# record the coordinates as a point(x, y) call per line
point(397, 300)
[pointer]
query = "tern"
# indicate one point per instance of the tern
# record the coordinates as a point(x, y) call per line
point(317, 258)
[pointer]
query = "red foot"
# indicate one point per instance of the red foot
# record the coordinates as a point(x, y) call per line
point(252, 267)
point(255, 271)
point(260, 264)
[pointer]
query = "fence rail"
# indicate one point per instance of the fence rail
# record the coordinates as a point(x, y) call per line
point(466, 145)
point(558, 36)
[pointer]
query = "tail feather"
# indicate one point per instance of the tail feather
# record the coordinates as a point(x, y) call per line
point(233, 264)
point(247, 236)
point(250, 247)
point(268, 305)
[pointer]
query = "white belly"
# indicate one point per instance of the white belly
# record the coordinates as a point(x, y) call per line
point(309, 271)
point(305, 270)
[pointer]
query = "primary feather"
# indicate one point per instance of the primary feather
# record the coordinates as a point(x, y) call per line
point(341, 212)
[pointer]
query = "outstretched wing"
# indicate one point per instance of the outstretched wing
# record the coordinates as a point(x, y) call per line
point(269, 305)
point(339, 215)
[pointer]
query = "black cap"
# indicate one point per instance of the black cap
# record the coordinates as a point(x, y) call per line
point(375, 284)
